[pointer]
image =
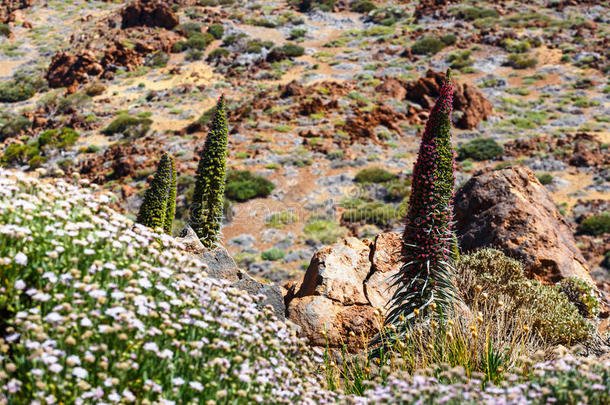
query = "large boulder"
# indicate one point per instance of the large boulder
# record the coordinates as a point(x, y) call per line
point(220, 265)
point(510, 210)
point(344, 292)
point(468, 102)
point(68, 70)
point(151, 13)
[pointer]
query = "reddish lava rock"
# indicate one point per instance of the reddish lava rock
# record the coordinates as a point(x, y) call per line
point(68, 70)
point(150, 13)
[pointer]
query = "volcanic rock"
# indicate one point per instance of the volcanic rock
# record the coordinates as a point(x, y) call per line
point(466, 99)
point(344, 291)
point(510, 210)
point(8, 8)
point(68, 70)
point(150, 13)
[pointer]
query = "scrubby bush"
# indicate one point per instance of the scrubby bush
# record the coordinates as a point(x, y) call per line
point(157, 59)
point(449, 39)
point(519, 61)
point(281, 219)
point(59, 138)
point(193, 55)
point(427, 46)
point(471, 13)
point(13, 91)
point(129, 126)
point(549, 312)
point(374, 175)
point(319, 230)
point(595, 224)
point(545, 178)
point(292, 50)
point(581, 294)
point(363, 6)
point(273, 254)
point(209, 193)
point(480, 149)
point(5, 30)
point(297, 33)
point(217, 31)
point(460, 60)
point(14, 126)
point(242, 185)
point(218, 53)
point(190, 28)
point(376, 213)
point(196, 42)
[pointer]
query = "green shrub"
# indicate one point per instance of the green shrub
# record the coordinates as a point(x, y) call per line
point(297, 33)
point(218, 53)
point(280, 219)
point(242, 185)
point(363, 6)
point(449, 39)
point(13, 91)
point(14, 127)
point(158, 59)
point(469, 13)
point(480, 149)
point(209, 193)
point(273, 254)
point(519, 61)
point(60, 138)
point(129, 126)
point(190, 28)
point(460, 59)
point(322, 231)
point(374, 175)
point(545, 178)
point(216, 30)
point(581, 294)
point(5, 30)
point(427, 46)
point(595, 225)
point(292, 50)
point(193, 55)
point(376, 213)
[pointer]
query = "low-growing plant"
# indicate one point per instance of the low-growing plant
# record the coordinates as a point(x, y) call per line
point(595, 224)
point(427, 46)
point(480, 149)
point(242, 185)
point(374, 175)
point(281, 219)
point(217, 31)
point(581, 294)
point(322, 231)
point(129, 126)
point(520, 61)
point(545, 178)
point(273, 254)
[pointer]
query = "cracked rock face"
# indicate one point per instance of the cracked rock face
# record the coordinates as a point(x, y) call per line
point(344, 291)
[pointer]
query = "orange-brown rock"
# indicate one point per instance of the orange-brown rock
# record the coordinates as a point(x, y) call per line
point(468, 100)
point(344, 291)
point(151, 13)
point(510, 210)
point(392, 87)
point(68, 70)
point(118, 54)
point(8, 8)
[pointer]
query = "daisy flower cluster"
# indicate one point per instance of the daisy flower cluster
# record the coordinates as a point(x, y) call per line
point(567, 380)
point(97, 309)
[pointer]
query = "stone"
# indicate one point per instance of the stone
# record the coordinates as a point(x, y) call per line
point(338, 272)
point(272, 294)
point(68, 70)
point(190, 241)
point(221, 265)
point(385, 265)
point(344, 291)
point(511, 211)
point(149, 13)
